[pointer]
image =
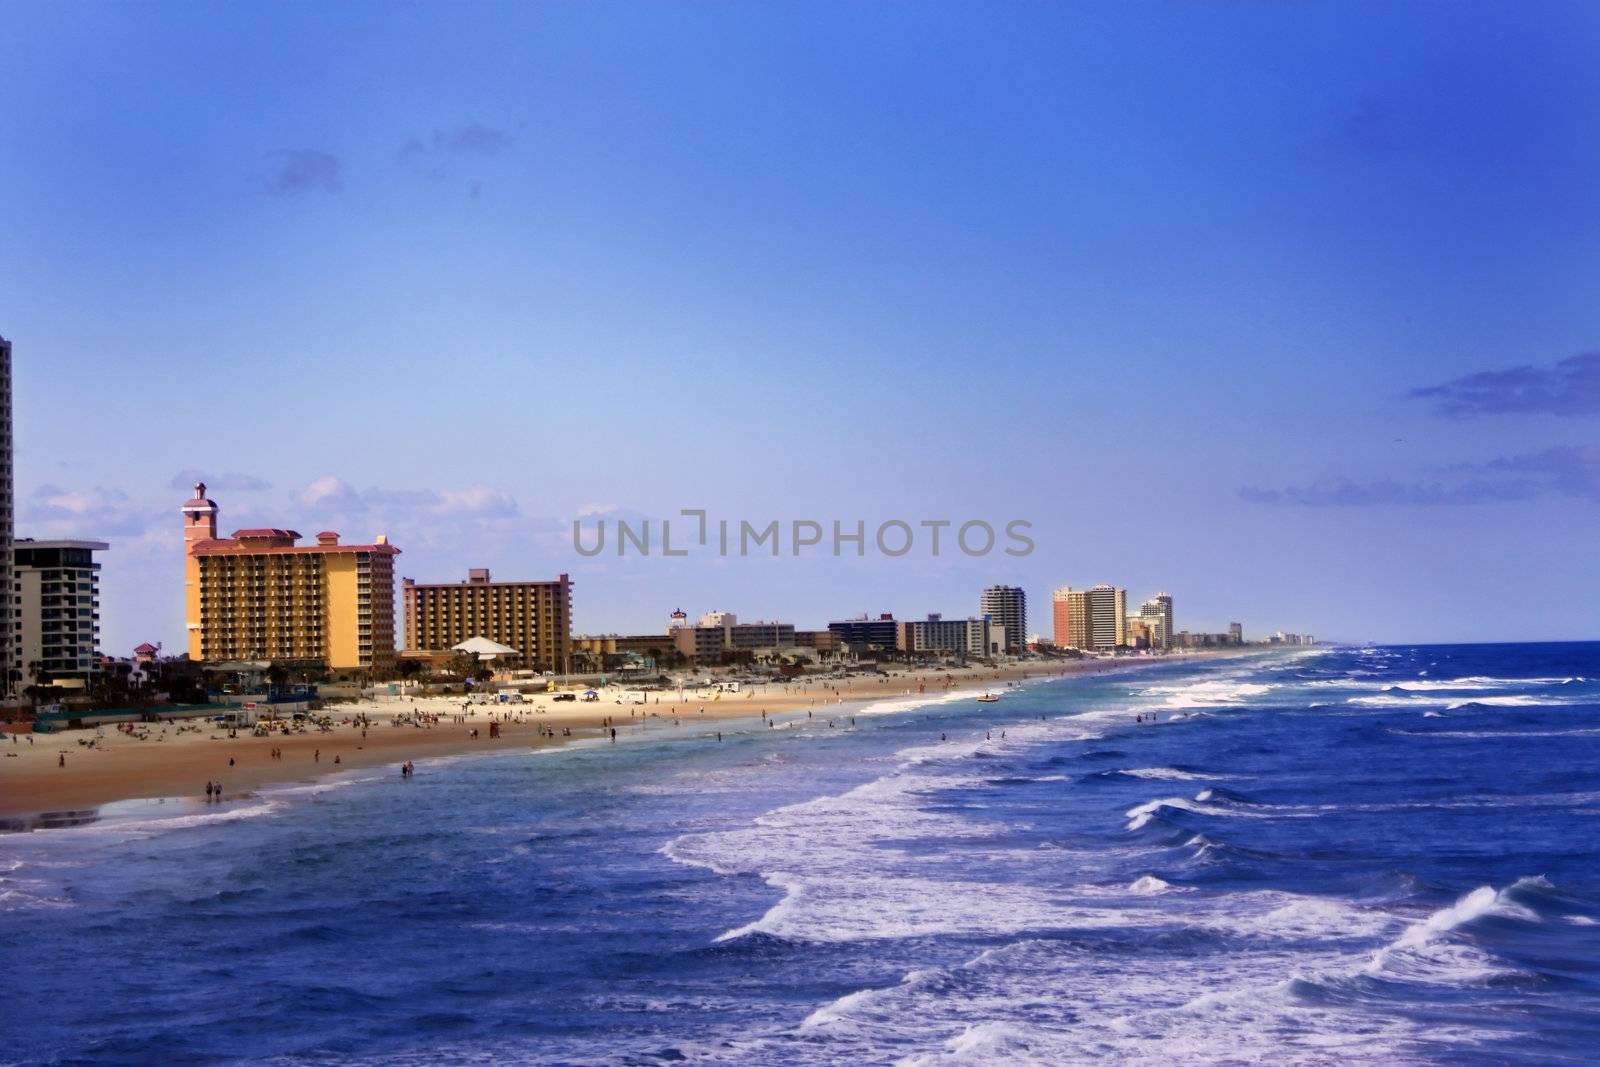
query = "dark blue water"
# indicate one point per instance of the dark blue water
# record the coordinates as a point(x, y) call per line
point(1348, 856)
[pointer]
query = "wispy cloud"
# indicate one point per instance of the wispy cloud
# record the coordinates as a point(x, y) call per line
point(1570, 387)
point(330, 494)
point(1342, 492)
point(473, 139)
point(92, 513)
point(1572, 471)
point(228, 482)
point(448, 156)
point(303, 170)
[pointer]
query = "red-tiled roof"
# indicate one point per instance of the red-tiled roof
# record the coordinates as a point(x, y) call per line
point(146, 648)
point(267, 531)
point(223, 546)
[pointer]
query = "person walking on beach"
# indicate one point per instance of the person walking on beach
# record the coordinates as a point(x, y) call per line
point(61, 760)
point(316, 757)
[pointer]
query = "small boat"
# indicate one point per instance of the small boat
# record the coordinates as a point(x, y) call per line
point(989, 698)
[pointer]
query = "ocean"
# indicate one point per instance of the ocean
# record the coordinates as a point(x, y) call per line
point(1321, 856)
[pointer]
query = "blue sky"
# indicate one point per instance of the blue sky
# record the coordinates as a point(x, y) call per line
point(1282, 308)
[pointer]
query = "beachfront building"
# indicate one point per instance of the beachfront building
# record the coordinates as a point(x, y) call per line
point(1157, 616)
point(10, 664)
point(658, 647)
point(1008, 606)
point(719, 632)
point(57, 592)
point(261, 596)
point(981, 637)
point(863, 634)
point(821, 641)
point(1070, 608)
point(1236, 633)
point(1092, 619)
point(535, 618)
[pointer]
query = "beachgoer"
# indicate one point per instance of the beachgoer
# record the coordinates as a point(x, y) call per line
point(61, 760)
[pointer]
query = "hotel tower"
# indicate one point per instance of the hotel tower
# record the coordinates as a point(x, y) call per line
point(259, 595)
point(1008, 606)
point(535, 618)
point(10, 663)
point(1091, 618)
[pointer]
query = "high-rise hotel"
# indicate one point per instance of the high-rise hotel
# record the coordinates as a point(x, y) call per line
point(1008, 606)
point(1157, 615)
point(535, 618)
point(9, 666)
point(1091, 618)
point(259, 595)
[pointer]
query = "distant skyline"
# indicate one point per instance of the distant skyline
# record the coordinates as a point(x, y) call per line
point(1285, 309)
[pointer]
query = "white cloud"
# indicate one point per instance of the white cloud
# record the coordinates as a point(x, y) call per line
point(331, 494)
point(481, 501)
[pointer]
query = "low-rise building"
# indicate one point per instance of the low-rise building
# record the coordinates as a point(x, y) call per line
point(863, 634)
point(982, 637)
point(719, 632)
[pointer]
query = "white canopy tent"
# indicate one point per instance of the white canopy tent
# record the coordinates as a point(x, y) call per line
point(484, 648)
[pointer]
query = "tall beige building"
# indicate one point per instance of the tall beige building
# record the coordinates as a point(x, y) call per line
point(1157, 615)
point(259, 595)
point(10, 667)
point(1093, 619)
point(1008, 606)
point(535, 618)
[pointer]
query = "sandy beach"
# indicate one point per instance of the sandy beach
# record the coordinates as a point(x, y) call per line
point(170, 763)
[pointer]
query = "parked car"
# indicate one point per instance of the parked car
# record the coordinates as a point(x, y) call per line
point(566, 696)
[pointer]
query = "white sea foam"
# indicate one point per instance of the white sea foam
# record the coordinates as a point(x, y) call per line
point(984, 1043)
point(1219, 692)
point(164, 824)
point(1206, 802)
point(1416, 954)
point(1388, 701)
point(1238, 1005)
point(1149, 885)
point(913, 701)
point(1518, 700)
point(1173, 774)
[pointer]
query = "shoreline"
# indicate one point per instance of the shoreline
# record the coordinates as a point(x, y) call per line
point(37, 793)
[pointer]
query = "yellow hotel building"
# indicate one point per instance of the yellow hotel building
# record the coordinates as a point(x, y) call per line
point(259, 595)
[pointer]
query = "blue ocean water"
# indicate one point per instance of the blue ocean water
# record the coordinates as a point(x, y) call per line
point(1368, 855)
